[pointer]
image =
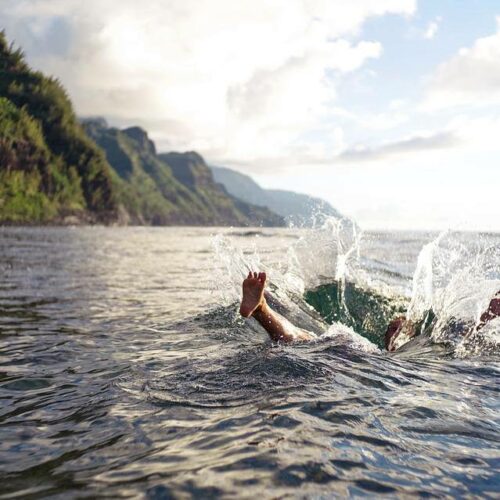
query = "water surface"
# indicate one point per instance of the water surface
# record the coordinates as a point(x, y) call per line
point(126, 372)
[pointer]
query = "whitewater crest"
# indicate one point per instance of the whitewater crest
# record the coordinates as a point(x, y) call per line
point(455, 276)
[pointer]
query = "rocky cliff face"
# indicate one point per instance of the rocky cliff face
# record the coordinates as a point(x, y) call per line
point(171, 188)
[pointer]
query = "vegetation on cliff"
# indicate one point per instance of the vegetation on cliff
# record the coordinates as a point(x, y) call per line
point(172, 188)
point(48, 166)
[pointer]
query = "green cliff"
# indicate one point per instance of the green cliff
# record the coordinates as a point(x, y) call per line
point(172, 188)
point(49, 168)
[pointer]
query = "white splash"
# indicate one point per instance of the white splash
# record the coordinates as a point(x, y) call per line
point(455, 277)
point(347, 336)
point(457, 274)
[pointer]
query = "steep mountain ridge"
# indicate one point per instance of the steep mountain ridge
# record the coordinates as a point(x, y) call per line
point(169, 188)
point(297, 209)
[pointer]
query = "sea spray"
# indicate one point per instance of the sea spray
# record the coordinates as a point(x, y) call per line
point(454, 280)
point(422, 290)
point(323, 254)
point(235, 257)
point(455, 277)
point(329, 253)
point(347, 248)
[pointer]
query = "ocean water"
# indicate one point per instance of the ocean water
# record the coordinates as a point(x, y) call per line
point(125, 371)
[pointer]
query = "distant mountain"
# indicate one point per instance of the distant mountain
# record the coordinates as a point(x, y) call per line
point(171, 188)
point(297, 209)
point(49, 168)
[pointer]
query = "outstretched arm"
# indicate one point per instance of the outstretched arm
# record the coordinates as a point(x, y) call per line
point(254, 304)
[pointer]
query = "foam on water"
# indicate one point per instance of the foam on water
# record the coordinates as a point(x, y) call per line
point(345, 335)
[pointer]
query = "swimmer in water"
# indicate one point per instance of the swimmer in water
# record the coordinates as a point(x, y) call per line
point(253, 304)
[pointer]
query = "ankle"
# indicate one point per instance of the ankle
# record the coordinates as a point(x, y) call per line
point(260, 309)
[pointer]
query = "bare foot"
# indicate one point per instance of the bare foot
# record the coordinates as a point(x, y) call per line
point(253, 293)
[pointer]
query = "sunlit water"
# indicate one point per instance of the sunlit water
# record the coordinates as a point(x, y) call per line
point(126, 372)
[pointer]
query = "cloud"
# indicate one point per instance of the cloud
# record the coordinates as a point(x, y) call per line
point(479, 134)
point(395, 116)
point(414, 144)
point(242, 80)
point(432, 29)
point(471, 77)
point(317, 158)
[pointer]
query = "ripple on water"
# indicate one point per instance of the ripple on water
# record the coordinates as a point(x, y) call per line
point(121, 378)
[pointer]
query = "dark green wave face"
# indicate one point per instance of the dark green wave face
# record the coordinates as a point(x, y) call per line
point(365, 311)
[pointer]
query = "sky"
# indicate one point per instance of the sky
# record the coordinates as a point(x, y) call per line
point(388, 109)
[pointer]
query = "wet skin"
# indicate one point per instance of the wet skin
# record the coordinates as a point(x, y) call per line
point(253, 304)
